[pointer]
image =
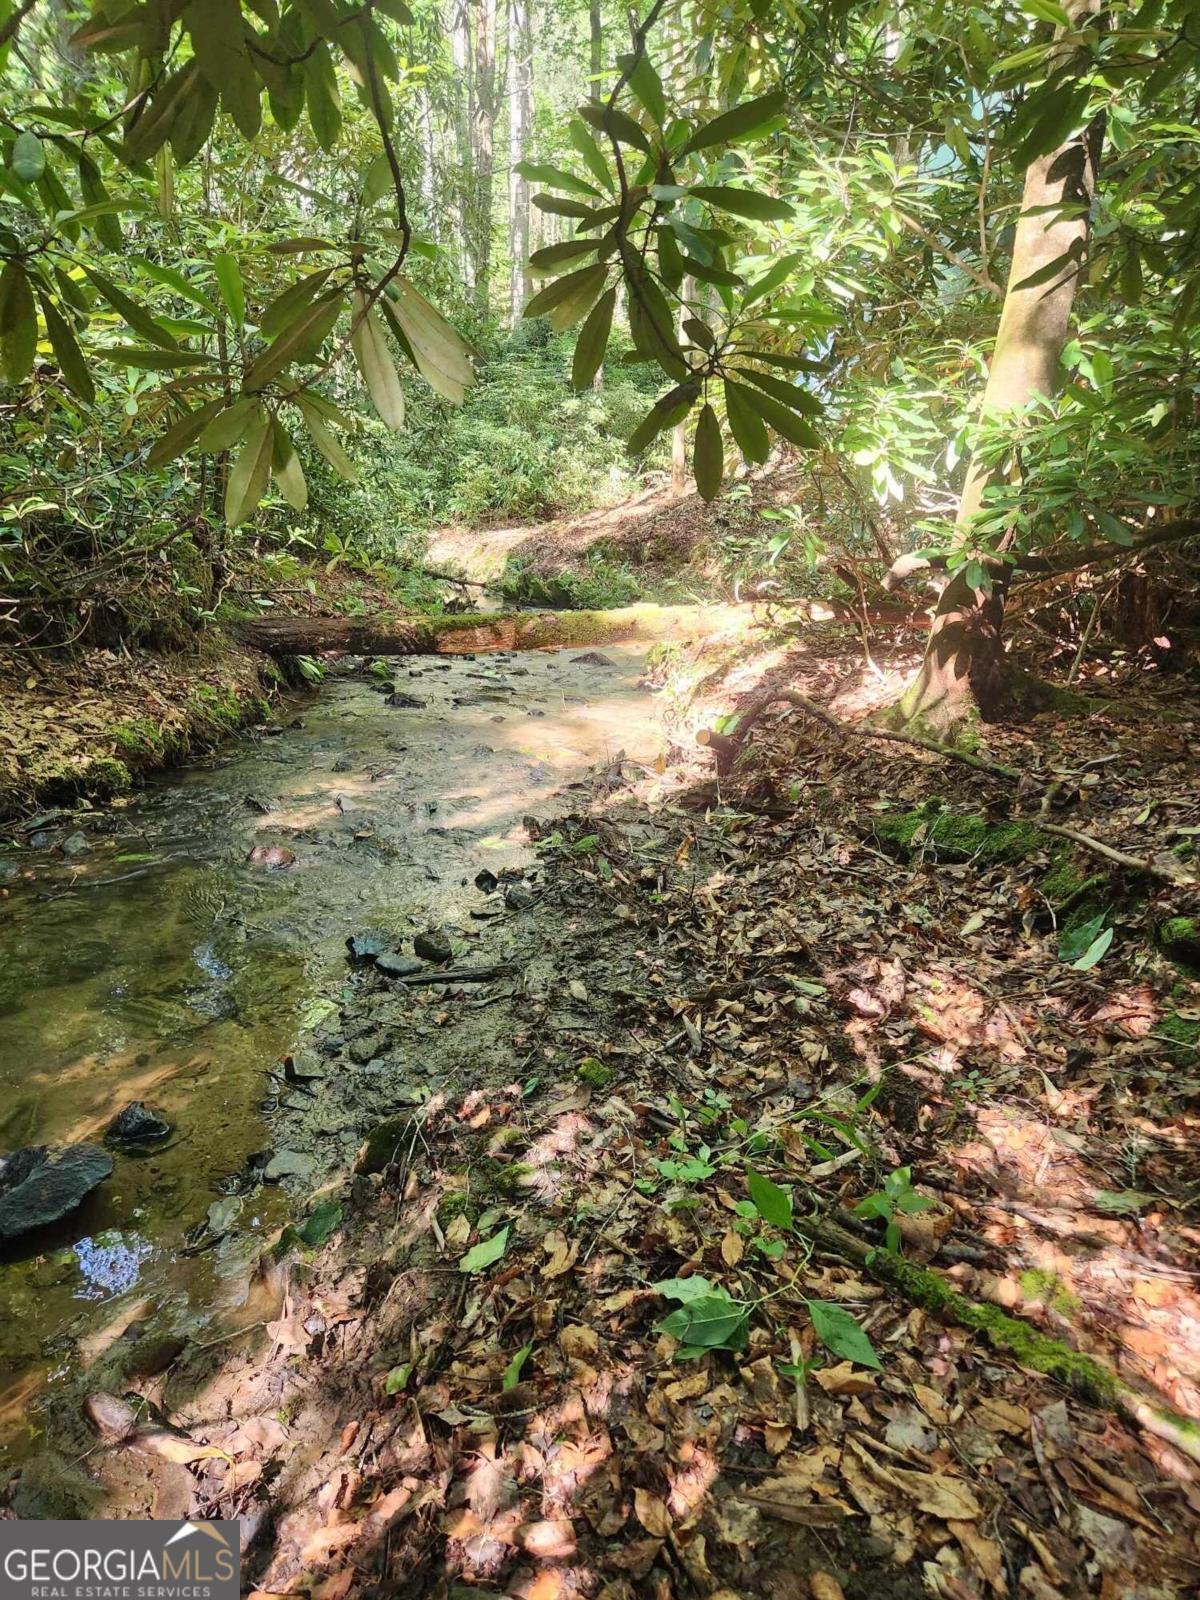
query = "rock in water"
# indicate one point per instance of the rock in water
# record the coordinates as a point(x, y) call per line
point(76, 844)
point(406, 702)
point(137, 1125)
point(39, 1186)
point(593, 658)
point(271, 855)
point(433, 945)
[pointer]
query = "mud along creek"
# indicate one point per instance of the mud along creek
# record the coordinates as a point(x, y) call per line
point(157, 961)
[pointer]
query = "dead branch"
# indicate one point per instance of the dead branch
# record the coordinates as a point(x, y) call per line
point(727, 745)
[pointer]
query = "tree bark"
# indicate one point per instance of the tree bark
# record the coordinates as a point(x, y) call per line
point(965, 672)
point(475, 631)
point(520, 117)
point(483, 129)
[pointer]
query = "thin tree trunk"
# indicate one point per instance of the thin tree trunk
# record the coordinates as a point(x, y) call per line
point(520, 116)
point(464, 99)
point(966, 672)
point(483, 129)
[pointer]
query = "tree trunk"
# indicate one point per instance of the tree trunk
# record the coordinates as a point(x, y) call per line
point(520, 117)
point(483, 129)
point(966, 673)
point(478, 631)
point(464, 104)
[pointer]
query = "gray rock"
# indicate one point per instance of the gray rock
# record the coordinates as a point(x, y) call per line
point(407, 702)
point(518, 897)
point(222, 1214)
point(593, 658)
point(38, 1186)
point(393, 965)
point(289, 1164)
point(76, 844)
point(433, 945)
point(137, 1125)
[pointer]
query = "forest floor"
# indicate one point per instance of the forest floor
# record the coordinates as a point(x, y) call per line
point(561, 1330)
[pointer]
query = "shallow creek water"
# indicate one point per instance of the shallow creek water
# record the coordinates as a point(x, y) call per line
point(162, 966)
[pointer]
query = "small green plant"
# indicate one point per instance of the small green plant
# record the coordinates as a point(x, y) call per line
point(311, 671)
point(896, 1196)
point(1085, 945)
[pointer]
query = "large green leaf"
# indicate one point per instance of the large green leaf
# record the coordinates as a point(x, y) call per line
point(739, 123)
point(773, 1204)
point(325, 441)
point(746, 425)
point(369, 343)
point(289, 474)
point(802, 400)
point(593, 340)
point(66, 349)
point(783, 420)
point(708, 458)
point(485, 1253)
point(671, 408)
point(230, 424)
point(299, 340)
point(18, 323)
point(744, 203)
point(229, 282)
point(138, 318)
point(250, 473)
point(439, 351)
point(840, 1333)
point(218, 35)
point(181, 435)
point(288, 303)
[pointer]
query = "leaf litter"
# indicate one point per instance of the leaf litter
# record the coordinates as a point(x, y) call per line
point(578, 1337)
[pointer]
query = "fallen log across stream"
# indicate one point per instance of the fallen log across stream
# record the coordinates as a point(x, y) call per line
point(464, 633)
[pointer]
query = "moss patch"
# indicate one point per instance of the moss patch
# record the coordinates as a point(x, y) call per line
point(953, 836)
point(594, 1073)
point(1183, 1036)
point(1180, 939)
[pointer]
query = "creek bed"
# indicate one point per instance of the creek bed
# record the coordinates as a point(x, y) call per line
point(159, 964)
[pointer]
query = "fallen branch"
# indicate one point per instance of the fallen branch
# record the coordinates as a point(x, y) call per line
point(458, 975)
point(727, 745)
point(904, 567)
point(1011, 1336)
point(1168, 870)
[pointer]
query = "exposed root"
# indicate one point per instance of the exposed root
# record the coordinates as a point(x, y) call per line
point(1083, 1374)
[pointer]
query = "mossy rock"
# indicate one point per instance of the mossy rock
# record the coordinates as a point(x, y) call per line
point(953, 836)
point(1180, 939)
point(384, 1143)
point(594, 1073)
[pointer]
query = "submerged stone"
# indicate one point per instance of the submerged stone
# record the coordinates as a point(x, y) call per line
point(137, 1125)
point(38, 1185)
point(393, 965)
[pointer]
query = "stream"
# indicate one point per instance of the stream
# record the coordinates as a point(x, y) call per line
point(159, 964)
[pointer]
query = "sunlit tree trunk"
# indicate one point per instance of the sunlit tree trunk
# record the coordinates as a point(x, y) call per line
point(520, 116)
point(483, 131)
point(464, 100)
point(965, 672)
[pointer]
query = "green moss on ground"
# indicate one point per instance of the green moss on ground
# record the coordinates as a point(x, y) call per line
point(594, 1073)
point(1183, 1036)
point(1180, 938)
point(1030, 1348)
point(953, 836)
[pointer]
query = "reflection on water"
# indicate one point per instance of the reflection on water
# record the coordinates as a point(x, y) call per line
point(109, 1263)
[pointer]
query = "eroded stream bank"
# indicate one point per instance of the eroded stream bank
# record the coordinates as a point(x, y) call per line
point(156, 962)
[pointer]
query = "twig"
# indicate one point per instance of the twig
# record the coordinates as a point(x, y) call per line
point(728, 745)
point(1169, 870)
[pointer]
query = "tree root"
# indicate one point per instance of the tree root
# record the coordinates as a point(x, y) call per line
point(727, 746)
point(1084, 1375)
